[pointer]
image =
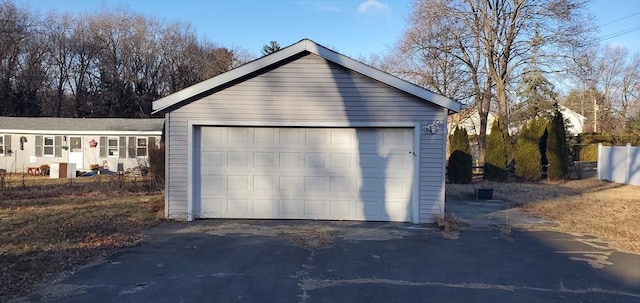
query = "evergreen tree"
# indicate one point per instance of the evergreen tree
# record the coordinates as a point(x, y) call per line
point(272, 47)
point(528, 157)
point(496, 158)
point(535, 92)
point(460, 162)
point(557, 150)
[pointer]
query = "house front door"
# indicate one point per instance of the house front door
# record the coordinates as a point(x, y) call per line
point(76, 154)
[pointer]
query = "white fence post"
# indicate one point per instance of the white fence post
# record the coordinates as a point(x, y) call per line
point(600, 162)
point(627, 168)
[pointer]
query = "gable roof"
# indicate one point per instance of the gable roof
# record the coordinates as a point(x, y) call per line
point(305, 45)
point(50, 125)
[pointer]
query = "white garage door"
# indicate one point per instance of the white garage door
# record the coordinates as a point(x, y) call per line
point(304, 173)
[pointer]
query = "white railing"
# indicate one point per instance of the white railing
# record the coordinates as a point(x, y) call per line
point(620, 164)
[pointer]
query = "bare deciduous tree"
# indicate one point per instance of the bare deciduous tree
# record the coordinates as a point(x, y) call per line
point(488, 42)
point(106, 64)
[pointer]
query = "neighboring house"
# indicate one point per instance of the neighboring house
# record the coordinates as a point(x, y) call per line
point(469, 119)
point(574, 120)
point(108, 142)
point(305, 133)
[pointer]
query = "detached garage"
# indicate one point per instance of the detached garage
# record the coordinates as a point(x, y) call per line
point(305, 133)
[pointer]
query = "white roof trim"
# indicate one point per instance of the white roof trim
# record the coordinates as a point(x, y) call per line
point(312, 47)
point(76, 132)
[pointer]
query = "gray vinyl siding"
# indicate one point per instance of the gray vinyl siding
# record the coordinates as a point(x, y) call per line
point(309, 89)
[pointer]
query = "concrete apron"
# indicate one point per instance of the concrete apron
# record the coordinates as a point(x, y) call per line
point(489, 214)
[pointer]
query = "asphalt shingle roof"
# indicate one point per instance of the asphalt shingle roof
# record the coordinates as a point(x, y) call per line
point(79, 124)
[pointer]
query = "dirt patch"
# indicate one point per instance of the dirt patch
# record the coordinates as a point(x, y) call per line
point(602, 209)
point(450, 225)
point(308, 236)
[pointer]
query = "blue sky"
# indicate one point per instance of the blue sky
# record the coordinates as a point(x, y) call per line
point(356, 28)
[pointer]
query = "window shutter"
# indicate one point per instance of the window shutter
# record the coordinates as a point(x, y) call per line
point(132, 147)
point(38, 145)
point(57, 146)
point(7, 145)
point(103, 147)
point(122, 147)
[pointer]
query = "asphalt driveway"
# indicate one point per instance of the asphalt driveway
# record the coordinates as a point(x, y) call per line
point(307, 261)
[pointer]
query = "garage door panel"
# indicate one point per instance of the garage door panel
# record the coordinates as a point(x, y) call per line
point(341, 160)
point(240, 182)
point(215, 184)
point(264, 208)
point(264, 159)
point(290, 159)
point(238, 159)
point(373, 161)
point(212, 160)
point(372, 209)
point(238, 136)
point(395, 185)
point(264, 183)
point(238, 207)
point(213, 135)
point(315, 137)
point(210, 207)
point(396, 138)
point(314, 209)
point(315, 184)
point(342, 185)
point(369, 184)
point(305, 173)
point(290, 136)
point(290, 208)
point(342, 137)
point(340, 209)
point(264, 135)
point(315, 160)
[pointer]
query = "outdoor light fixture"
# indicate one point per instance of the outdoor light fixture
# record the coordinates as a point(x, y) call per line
point(432, 128)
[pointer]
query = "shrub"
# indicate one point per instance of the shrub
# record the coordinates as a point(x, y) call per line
point(557, 151)
point(496, 157)
point(460, 162)
point(528, 157)
point(157, 164)
point(589, 152)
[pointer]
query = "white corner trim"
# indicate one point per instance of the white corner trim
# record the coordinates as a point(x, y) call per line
point(415, 196)
point(167, 185)
point(443, 168)
point(190, 170)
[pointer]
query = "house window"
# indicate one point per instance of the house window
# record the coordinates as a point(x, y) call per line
point(141, 147)
point(112, 147)
point(1, 145)
point(47, 147)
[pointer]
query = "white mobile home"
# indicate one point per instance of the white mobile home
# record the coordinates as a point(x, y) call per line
point(111, 143)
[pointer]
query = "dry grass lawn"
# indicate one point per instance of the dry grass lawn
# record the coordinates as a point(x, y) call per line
point(48, 226)
point(606, 210)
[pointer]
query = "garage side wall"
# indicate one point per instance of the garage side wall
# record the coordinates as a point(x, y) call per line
point(309, 90)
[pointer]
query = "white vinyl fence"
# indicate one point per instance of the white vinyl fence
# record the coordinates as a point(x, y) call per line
point(620, 164)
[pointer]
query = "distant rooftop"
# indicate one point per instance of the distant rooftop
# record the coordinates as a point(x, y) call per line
point(79, 124)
